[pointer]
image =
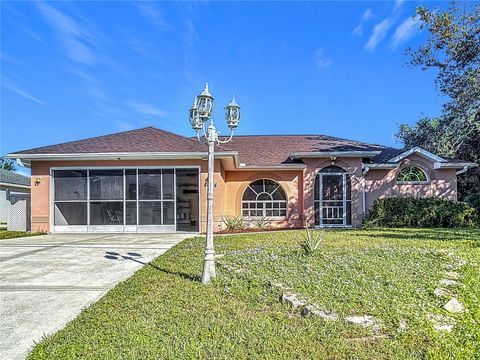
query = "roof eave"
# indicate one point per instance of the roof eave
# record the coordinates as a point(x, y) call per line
point(318, 154)
point(380, 166)
point(243, 167)
point(454, 165)
point(28, 158)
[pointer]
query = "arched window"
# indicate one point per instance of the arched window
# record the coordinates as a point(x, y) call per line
point(412, 174)
point(264, 198)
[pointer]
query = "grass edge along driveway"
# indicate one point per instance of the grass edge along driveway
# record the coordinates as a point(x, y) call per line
point(164, 312)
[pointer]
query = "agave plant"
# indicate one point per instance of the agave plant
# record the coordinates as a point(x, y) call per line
point(263, 222)
point(310, 240)
point(233, 223)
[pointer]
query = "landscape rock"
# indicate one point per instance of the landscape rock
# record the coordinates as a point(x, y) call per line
point(448, 282)
point(441, 323)
point(452, 275)
point(443, 327)
point(315, 311)
point(280, 286)
point(402, 325)
point(364, 321)
point(292, 300)
point(454, 306)
point(442, 293)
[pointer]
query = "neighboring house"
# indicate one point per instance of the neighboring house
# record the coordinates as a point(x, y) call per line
point(150, 180)
point(14, 197)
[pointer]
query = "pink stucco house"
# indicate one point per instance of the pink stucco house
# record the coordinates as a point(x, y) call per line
point(150, 180)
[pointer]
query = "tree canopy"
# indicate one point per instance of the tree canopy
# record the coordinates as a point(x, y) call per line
point(452, 49)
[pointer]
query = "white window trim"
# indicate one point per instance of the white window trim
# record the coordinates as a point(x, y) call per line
point(415, 182)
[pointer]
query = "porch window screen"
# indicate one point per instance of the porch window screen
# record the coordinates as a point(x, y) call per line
point(264, 198)
point(70, 194)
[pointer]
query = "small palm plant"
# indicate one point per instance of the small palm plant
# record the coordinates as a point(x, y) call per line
point(310, 240)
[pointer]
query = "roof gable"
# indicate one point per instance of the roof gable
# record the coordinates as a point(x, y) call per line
point(419, 151)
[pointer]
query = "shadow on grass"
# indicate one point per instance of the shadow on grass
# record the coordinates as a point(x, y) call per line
point(112, 255)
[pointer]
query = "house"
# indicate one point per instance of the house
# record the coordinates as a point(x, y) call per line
point(14, 200)
point(150, 180)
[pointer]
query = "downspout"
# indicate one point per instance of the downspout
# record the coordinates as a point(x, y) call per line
point(463, 171)
point(364, 196)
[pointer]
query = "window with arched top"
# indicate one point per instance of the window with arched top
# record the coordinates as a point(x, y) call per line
point(264, 198)
point(412, 174)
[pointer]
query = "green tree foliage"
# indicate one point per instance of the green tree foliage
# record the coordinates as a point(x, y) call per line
point(452, 49)
point(7, 164)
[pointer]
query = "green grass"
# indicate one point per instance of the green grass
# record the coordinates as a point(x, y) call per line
point(7, 234)
point(164, 312)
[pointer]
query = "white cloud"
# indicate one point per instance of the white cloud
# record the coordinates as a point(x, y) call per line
point(379, 32)
point(19, 91)
point(152, 14)
point(321, 58)
point(405, 31)
point(367, 15)
point(358, 30)
point(148, 109)
point(72, 35)
point(398, 4)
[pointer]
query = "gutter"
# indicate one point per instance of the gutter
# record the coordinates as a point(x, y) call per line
point(271, 167)
point(454, 165)
point(15, 186)
point(364, 195)
point(26, 159)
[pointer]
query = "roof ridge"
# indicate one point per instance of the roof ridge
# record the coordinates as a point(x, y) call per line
point(322, 135)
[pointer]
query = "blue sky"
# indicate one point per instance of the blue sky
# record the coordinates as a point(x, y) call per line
point(81, 69)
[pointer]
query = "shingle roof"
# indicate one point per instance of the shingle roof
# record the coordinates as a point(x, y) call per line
point(10, 177)
point(252, 149)
point(147, 139)
point(276, 149)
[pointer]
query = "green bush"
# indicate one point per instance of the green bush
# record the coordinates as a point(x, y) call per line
point(421, 212)
point(233, 223)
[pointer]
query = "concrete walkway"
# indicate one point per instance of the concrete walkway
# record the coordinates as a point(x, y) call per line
point(45, 281)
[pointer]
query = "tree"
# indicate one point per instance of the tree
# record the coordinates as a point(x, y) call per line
point(7, 164)
point(452, 49)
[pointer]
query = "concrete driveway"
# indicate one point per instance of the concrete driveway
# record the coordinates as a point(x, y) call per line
point(45, 281)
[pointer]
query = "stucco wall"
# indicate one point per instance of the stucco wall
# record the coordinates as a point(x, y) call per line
point(290, 181)
point(353, 166)
point(297, 184)
point(383, 183)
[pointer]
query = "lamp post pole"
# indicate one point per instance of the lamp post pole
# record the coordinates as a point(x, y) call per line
point(200, 113)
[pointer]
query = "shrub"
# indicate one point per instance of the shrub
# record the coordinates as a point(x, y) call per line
point(233, 223)
point(310, 240)
point(263, 222)
point(421, 212)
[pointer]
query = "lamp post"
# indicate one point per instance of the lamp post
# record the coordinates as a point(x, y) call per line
point(200, 113)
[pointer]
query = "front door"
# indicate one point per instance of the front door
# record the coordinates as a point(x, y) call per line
point(333, 201)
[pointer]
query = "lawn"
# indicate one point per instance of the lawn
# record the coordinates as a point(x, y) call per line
point(7, 234)
point(164, 312)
